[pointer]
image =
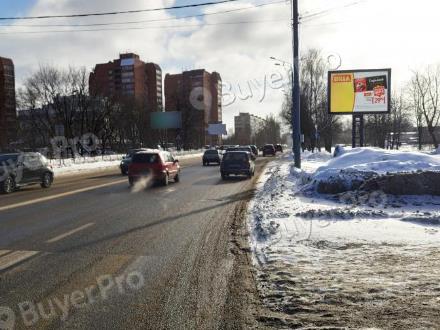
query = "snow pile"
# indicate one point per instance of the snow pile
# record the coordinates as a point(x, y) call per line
point(379, 161)
point(352, 168)
point(325, 262)
point(71, 167)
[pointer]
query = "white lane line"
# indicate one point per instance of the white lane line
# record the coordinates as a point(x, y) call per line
point(48, 198)
point(14, 258)
point(169, 190)
point(70, 232)
point(3, 252)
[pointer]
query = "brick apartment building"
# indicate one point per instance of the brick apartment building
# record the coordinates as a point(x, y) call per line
point(197, 94)
point(8, 115)
point(246, 128)
point(130, 79)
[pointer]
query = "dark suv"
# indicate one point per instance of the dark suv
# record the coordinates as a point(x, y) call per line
point(23, 169)
point(243, 148)
point(269, 149)
point(211, 156)
point(237, 162)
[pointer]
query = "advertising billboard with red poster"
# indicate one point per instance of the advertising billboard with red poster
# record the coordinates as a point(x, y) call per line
point(359, 91)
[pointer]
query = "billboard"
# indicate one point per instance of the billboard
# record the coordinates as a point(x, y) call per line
point(359, 91)
point(217, 129)
point(166, 120)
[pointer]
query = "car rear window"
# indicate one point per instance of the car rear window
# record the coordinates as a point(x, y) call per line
point(145, 158)
point(7, 159)
point(238, 156)
point(211, 152)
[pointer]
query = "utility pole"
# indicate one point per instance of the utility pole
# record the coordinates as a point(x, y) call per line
point(296, 119)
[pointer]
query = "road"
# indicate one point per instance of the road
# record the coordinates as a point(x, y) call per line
point(90, 252)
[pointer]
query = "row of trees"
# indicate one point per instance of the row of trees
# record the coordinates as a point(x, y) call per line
point(414, 108)
point(55, 102)
point(318, 127)
point(417, 105)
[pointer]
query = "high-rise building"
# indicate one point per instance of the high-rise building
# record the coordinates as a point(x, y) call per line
point(8, 114)
point(247, 127)
point(128, 76)
point(128, 79)
point(197, 95)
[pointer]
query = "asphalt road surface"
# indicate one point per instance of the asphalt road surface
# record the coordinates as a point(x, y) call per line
point(92, 253)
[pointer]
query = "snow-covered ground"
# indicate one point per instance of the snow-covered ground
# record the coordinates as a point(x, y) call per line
point(348, 260)
point(91, 164)
point(379, 161)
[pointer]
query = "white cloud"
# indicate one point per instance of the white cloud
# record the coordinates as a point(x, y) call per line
point(369, 34)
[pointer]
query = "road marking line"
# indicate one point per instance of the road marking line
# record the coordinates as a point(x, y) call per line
point(48, 198)
point(71, 232)
point(170, 190)
point(3, 252)
point(14, 258)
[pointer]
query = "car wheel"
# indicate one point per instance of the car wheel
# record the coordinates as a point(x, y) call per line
point(166, 180)
point(224, 176)
point(46, 181)
point(207, 163)
point(8, 185)
point(204, 163)
point(177, 178)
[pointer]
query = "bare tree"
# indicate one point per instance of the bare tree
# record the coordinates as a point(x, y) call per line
point(400, 120)
point(51, 97)
point(415, 104)
point(316, 124)
point(425, 92)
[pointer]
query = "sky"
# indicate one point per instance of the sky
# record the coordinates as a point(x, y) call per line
point(363, 34)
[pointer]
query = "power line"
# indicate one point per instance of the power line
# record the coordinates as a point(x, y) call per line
point(144, 21)
point(118, 12)
point(309, 17)
point(148, 27)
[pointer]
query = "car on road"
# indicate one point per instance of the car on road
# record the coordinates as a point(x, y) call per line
point(279, 148)
point(254, 150)
point(24, 169)
point(211, 156)
point(125, 162)
point(237, 163)
point(160, 166)
point(269, 149)
point(243, 148)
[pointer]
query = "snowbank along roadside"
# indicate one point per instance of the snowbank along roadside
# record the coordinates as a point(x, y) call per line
point(347, 260)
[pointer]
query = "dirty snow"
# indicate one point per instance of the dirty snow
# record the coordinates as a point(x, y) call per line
point(348, 260)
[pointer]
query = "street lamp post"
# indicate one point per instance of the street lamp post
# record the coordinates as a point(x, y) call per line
point(296, 119)
point(295, 110)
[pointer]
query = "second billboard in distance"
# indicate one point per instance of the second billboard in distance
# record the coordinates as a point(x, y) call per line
point(359, 91)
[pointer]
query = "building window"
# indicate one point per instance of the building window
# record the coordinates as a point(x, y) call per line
point(127, 80)
point(127, 74)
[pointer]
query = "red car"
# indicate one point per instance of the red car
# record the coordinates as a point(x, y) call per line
point(159, 165)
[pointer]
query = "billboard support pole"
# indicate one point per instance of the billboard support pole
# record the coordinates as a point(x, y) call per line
point(357, 130)
point(296, 120)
